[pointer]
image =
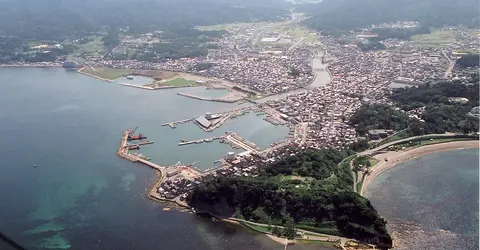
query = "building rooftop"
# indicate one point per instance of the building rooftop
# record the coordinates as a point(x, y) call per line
point(204, 122)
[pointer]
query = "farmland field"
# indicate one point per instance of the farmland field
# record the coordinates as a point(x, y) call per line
point(438, 37)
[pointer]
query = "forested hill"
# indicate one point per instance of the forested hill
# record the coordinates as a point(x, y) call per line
point(439, 113)
point(55, 19)
point(311, 190)
point(335, 15)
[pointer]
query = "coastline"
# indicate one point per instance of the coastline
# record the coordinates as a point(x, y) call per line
point(94, 76)
point(30, 65)
point(395, 158)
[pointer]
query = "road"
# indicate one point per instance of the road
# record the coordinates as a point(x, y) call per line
point(451, 63)
point(373, 150)
point(343, 240)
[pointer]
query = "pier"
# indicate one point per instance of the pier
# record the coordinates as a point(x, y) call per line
point(201, 140)
point(242, 143)
point(174, 123)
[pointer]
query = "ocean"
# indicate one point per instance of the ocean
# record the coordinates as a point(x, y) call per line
point(82, 195)
point(431, 202)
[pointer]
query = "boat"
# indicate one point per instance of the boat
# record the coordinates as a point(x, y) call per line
point(130, 77)
point(136, 137)
point(183, 140)
point(35, 165)
point(132, 147)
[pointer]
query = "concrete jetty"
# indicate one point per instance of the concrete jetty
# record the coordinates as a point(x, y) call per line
point(137, 145)
point(204, 98)
point(136, 86)
point(174, 123)
point(201, 140)
point(242, 143)
point(140, 143)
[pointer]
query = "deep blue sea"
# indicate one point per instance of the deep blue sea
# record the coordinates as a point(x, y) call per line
point(82, 195)
point(431, 202)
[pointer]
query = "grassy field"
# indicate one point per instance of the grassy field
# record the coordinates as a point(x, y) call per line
point(311, 38)
point(437, 37)
point(318, 242)
point(360, 184)
point(108, 73)
point(266, 230)
point(373, 161)
point(179, 82)
point(298, 32)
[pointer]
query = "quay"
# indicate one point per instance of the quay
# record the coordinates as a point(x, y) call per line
point(201, 140)
point(242, 143)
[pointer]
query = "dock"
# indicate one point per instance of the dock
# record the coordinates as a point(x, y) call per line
point(201, 140)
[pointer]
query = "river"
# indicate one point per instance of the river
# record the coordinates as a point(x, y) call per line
point(322, 78)
point(431, 202)
point(82, 195)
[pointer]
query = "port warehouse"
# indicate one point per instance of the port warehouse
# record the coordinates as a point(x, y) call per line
point(208, 120)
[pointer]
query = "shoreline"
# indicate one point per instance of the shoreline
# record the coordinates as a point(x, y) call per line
point(395, 158)
point(94, 76)
point(30, 66)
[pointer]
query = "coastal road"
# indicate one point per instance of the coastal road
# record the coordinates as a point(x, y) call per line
point(311, 235)
point(386, 145)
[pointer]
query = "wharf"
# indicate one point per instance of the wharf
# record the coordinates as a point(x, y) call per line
point(201, 140)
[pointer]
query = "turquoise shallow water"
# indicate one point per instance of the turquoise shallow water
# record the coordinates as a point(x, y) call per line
point(83, 196)
point(438, 194)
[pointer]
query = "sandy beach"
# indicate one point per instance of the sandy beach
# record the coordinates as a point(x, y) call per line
point(395, 158)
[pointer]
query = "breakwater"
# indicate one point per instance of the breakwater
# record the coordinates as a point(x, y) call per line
point(204, 98)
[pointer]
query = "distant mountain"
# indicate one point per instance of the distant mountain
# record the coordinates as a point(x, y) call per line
point(55, 19)
point(335, 15)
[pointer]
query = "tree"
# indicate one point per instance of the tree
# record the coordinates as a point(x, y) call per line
point(359, 146)
point(294, 72)
point(470, 60)
point(277, 231)
point(289, 229)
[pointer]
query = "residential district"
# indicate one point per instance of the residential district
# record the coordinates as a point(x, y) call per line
point(269, 60)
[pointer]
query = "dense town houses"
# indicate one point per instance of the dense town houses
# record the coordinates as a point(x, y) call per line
point(356, 76)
